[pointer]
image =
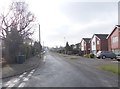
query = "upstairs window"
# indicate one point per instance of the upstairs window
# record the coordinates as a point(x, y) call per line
point(114, 39)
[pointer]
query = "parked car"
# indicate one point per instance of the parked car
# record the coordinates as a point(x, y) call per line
point(105, 54)
point(118, 57)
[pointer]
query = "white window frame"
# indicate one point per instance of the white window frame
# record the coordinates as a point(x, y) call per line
point(98, 42)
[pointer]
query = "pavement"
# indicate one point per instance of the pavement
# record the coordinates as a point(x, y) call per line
point(16, 69)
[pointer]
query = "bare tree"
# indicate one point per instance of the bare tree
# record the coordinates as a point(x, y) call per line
point(19, 15)
point(15, 26)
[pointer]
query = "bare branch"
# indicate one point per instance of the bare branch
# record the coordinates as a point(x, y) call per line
point(20, 17)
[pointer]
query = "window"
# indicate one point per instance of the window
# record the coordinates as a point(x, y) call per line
point(114, 39)
point(93, 43)
point(98, 42)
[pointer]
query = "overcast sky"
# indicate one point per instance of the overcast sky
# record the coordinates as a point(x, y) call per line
point(71, 20)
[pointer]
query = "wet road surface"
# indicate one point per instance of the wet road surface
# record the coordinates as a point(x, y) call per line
point(57, 71)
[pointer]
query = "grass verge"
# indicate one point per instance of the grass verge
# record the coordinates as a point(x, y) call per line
point(72, 57)
point(111, 67)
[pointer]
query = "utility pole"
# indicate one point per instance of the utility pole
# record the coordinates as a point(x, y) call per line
point(43, 43)
point(39, 35)
point(64, 40)
point(39, 40)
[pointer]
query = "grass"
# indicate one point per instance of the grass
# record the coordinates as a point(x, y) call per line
point(65, 56)
point(73, 58)
point(111, 67)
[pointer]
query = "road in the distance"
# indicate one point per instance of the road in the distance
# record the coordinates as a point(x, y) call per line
point(60, 72)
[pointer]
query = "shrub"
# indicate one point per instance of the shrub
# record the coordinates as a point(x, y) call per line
point(69, 52)
point(91, 55)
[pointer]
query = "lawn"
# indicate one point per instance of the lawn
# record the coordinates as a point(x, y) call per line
point(111, 67)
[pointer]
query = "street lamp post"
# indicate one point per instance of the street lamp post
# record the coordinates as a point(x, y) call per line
point(39, 40)
point(39, 35)
point(64, 40)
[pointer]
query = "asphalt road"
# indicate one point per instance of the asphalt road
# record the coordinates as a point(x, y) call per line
point(58, 71)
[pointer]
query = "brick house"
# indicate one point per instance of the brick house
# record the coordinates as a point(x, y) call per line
point(85, 45)
point(114, 40)
point(99, 43)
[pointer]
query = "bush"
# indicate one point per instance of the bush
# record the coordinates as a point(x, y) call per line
point(69, 52)
point(60, 51)
point(27, 50)
point(91, 55)
point(75, 51)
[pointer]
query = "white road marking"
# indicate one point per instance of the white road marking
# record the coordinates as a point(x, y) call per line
point(29, 75)
point(12, 82)
point(21, 76)
point(11, 85)
point(16, 80)
point(24, 73)
point(25, 79)
point(31, 72)
point(22, 85)
point(8, 83)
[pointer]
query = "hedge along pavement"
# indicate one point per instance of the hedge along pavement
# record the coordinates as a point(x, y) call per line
point(25, 67)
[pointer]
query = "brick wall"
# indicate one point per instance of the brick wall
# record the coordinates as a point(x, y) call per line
point(114, 45)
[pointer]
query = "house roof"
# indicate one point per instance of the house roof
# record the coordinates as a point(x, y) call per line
point(77, 44)
point(87, 40)
point(102, 36)
point(117, 26)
